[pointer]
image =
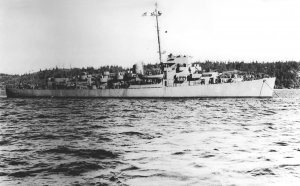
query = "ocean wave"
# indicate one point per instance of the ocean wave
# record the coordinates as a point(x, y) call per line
point(68, 169)
point(86, 153)
point(261, 172)
point(138, 134)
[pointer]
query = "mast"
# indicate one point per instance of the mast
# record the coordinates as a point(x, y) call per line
point(157, 29)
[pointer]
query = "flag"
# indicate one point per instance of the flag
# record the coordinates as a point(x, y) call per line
point(144, 14)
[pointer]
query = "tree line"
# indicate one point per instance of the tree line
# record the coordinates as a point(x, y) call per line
point(286, 73)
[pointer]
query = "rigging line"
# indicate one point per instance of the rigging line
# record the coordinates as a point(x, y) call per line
point(271, 88)
point(261, 88)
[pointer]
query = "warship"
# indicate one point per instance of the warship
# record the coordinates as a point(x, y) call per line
point(178, 78)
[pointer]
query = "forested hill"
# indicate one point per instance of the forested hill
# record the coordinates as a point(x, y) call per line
point(286, 73)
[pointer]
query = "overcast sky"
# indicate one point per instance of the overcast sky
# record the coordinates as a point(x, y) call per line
point(39, 34)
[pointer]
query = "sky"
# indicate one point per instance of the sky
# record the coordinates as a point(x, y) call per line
point(40, 34)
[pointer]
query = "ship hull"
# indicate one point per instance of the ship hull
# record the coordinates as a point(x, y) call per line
point(255, 88)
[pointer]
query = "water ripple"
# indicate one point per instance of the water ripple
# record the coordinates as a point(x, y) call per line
point(150, 141)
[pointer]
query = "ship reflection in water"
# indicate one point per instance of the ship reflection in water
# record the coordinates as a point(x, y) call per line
point(151, 141)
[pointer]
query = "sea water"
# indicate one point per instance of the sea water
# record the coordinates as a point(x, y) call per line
point(151, 141)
